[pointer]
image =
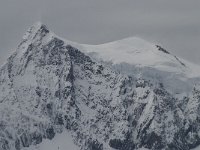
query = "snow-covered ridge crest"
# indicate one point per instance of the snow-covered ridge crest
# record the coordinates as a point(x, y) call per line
point(32, 30)
point(131, 56)
point(138, 52)
point(133, 51)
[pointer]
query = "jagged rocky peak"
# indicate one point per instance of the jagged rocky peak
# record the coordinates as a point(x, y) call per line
point(51, 86)
point(33, 30)
point(36, 35)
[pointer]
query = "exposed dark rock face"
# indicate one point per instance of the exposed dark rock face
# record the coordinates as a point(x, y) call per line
point(126, 144)
point(50, 133)
point(94, 145)
point(162, 49)
point(165, 51)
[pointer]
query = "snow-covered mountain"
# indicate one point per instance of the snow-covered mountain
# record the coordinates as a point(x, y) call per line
point(125, 95)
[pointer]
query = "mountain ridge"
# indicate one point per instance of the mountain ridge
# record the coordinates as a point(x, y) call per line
point(134, 46)
point(50, 85)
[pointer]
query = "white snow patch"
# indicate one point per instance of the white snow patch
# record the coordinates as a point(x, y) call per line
point(61, 141)
point(197, 148)
point(140, 53)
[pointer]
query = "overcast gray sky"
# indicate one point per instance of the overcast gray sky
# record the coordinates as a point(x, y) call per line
point(174, 24)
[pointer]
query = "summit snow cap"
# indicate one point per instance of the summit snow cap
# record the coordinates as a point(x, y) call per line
point(132, 51)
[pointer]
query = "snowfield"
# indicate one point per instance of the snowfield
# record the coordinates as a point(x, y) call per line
point(138, 52)
point(61, 141)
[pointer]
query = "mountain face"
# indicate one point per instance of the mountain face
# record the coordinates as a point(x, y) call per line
point(123, 95)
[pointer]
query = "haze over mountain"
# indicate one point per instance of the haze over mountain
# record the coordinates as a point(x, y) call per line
point(125, 95)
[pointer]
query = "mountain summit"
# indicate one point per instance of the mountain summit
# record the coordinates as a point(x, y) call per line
point(124, 95)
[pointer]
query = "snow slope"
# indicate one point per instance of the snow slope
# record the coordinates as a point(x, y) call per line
point(197, 148)
point(61, 141)
point(138, 52)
